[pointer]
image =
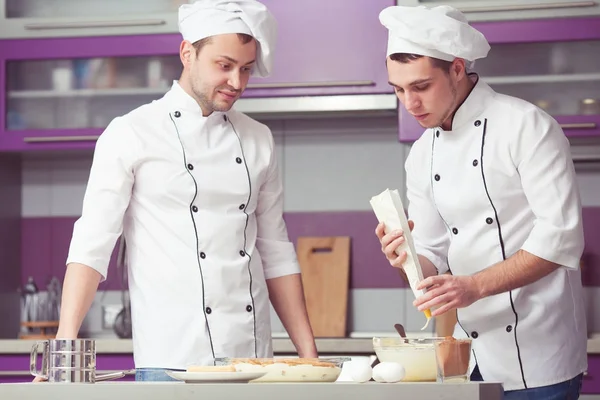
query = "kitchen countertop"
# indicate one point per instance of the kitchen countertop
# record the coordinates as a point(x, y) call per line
point(345, 346)
point(256, 391)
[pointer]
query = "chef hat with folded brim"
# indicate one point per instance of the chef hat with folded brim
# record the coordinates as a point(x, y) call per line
point(440, 32)
point(205, 18)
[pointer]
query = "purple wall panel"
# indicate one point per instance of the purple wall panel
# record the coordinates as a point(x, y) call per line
point(36, 250)
point(591, 252)
point(369, 268)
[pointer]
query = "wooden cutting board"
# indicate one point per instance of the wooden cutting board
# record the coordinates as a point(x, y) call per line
point(325, 265)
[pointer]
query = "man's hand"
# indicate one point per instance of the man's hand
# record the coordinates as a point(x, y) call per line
point(390, 242)
point(448, 292)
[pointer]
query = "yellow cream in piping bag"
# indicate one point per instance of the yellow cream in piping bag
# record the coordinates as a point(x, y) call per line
point(389, 209)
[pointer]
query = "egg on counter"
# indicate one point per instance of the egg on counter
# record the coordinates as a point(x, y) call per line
point(388, 372)
point(360, 371)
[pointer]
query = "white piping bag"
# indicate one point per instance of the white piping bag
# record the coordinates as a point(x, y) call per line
point(389, 209)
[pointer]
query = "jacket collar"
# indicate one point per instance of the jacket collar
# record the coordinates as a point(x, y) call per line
point(474, 105)
point(178, 100)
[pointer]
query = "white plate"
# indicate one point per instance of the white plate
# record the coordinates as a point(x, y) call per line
point(213, 377)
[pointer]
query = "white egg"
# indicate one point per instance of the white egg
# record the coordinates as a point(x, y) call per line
point(389, 372)
point(360, 371)
point(377, 373)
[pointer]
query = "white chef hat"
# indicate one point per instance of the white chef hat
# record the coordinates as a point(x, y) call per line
point(205, 18)
point(440, 32)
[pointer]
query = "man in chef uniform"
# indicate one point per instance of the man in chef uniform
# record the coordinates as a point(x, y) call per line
point(194, 188)
point(492, 199)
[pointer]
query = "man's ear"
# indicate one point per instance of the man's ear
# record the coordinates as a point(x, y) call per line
point(458, 68)
point(186, 53)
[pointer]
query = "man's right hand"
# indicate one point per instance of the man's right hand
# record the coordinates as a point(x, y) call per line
point(390, 242)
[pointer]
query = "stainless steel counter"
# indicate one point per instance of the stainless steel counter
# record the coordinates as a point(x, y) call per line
point(280, 346)
point(253, 391)
point(345, 346)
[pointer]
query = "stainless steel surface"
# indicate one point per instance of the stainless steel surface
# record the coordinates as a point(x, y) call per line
point(50, 139)
point(68, 361)
point(582, 125)
point(122, 324)
point(30, 303)
point(98, 373)
point(534, 6)
point(352, 346)
point(289, 391)
point(586, 158)
point(318, 104)
point(290, 85)
point(93, 24)
point(74, 345)
point(72, 360)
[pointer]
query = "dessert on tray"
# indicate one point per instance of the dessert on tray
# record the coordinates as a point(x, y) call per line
point(288, 369)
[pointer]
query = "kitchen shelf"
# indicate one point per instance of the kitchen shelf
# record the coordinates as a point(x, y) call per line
point(44, 94)
point(509, 80)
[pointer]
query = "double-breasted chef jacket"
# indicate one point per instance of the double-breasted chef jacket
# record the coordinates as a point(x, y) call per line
point(199, 202)
point(503, 180)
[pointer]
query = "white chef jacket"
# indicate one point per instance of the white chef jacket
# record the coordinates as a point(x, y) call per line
point(199, 202)
point(502, 180)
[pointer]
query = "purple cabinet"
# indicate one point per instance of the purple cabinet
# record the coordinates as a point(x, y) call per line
point(60, 93)
point(591, 381)
point(324, 48)
point(552, 63)
point(15, 367)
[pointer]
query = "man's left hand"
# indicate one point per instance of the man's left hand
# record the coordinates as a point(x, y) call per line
point(448, 292)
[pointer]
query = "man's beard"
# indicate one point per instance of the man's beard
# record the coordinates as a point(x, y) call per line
point(451, 108)
point(208, 105)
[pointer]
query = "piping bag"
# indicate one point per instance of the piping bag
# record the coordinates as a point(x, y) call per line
point(389, 209)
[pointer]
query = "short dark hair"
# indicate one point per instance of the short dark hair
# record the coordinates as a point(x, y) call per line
point(405, 58)
point(198, 45)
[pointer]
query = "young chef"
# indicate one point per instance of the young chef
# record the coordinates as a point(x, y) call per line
point(194, 188)
point(493, 198)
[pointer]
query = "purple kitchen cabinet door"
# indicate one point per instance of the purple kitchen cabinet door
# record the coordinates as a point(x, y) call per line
point(15, 367)
point(327, 48)
point(591, 381)
point(551, 63)
point(60, 93)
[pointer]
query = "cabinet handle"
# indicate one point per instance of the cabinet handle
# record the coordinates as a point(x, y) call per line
point(535, 6)
point(583, 125)
point(585, 158)
point(309, 84)
point(16, 373)
point(93, 24)
point(50, 139)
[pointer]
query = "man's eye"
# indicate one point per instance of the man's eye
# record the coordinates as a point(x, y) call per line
point(421, 88)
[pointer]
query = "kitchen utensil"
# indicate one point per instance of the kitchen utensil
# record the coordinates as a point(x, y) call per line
point(416, 355)
point(68, 361)
point(31, 300)
point(400, 329)
point(52, 312)
point(122, 325)
point(324, 369)
point(325, 265)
